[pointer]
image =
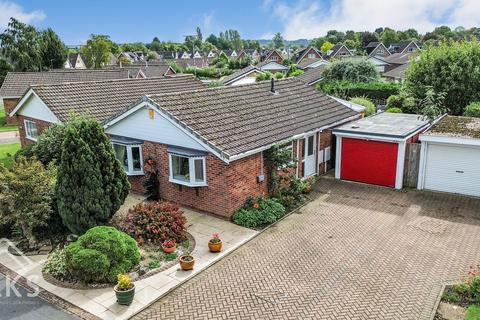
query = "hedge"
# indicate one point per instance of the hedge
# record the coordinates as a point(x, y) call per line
point(373, 90)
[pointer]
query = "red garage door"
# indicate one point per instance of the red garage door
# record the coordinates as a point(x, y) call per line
point(369, 161)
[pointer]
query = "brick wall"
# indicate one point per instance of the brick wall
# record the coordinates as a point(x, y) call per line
point(9, 105)
point(41, 126)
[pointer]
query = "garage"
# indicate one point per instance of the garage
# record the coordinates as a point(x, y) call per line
point(450, 157)
point(372, 150)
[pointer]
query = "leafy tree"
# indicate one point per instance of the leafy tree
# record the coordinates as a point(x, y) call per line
point(472, 110)
point(20, 44)
point(156, 45)
point(368, 37)
point(318, 42)
point(26, 191)
point(134, 47)
point(91, 182)
point(96, 52)
point(278, 41)
point(199, 36)
point(124, 61)
point(5, 67)
point(451, 68)
point(389, 36)
point(207, 47)
point(54, 51)
point(213, 40)
point(326, 46)
point(432, 106)
point(351, 70)
point(403, 102)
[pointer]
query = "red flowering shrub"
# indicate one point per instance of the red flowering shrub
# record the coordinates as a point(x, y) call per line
point(155, 222)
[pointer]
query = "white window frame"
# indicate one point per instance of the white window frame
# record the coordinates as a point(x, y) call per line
point(130, 171)
point(311, 56)
point(28, 133)
point(191, 171)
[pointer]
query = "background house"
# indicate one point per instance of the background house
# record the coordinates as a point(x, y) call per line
point(75, 61)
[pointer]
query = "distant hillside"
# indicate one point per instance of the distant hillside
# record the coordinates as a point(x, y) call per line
point(300, 42)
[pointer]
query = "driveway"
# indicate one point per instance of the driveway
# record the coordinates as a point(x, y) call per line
point(355, 252)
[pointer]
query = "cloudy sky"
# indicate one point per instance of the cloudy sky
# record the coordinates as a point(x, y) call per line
point(171, 20)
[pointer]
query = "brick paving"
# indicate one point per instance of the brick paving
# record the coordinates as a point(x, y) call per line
point(355, 252)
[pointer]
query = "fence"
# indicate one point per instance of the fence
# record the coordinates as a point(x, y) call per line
point(412, 162)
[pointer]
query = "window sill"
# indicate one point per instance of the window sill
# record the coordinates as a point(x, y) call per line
point(139, 173)
point(188, 184)
point(31, 138)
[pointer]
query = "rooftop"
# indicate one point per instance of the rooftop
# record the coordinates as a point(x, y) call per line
point(395, 125)
point(460, 127)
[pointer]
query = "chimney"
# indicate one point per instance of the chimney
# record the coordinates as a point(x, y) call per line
point(272, 86)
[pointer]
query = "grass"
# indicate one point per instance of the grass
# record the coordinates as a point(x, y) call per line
point(473, 313)
point(6, 153)
point(4, 127)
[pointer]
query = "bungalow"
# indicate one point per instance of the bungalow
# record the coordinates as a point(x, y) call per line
point(272, 66)
point(337, 52)
point(17, 83)
point(74, 61)
point(213, 168)
point(272, 55)
point(308, 58)
point(397, 75)
point(253, 53)
point(242, 76)
point(377, 49)
point(311, 76)
point(406, 46)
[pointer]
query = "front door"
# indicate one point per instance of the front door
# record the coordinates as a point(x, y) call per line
point(309, 159)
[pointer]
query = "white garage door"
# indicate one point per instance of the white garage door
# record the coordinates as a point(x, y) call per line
point(453, 169)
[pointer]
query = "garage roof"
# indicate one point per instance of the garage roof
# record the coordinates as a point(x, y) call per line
point(461, 127)
point(393, 125)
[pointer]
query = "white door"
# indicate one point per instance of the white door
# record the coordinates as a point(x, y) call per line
point(309, 158)
point(454, 169)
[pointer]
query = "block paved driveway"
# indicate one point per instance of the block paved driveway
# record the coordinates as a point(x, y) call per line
point(355, 252)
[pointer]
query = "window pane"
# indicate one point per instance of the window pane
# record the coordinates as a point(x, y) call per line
point(136, 159)
point(121, 155)
point(180, 169)
point(31, 128)
point(199, 170)
point(310, 146)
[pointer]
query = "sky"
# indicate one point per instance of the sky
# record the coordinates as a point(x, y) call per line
point(171, 20)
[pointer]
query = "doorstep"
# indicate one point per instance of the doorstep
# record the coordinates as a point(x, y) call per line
point(102, 302)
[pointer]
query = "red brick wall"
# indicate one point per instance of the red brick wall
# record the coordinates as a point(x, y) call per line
point(41, 126)
point(325, 141)
point(9, 105)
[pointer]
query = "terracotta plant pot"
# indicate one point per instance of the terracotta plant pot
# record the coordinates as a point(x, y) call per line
point(169, 250)
point(187, 262)
point(124, 297)
point(215, 247)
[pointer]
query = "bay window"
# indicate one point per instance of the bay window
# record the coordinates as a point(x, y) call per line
point(130, 156)
point(187, 167)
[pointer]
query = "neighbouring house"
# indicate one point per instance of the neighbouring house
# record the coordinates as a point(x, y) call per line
point(406, 46)
point(397, 74)
point(373, 150)
point(339, 51)
point(242, 76)
point(450, 156)
point(253, 53)
point(230, 53)
point(272, 55)
point(17, 83)
point(311, 76)
point(377, 49)
point(186, 55)
point(197, 55)
point(131, 56)
point(145, 70)
point(166, 55)
point(306, 53)
point(211, 160)
point(272, 66)
point(74, 61)
point(211, 54)
point(398, 59)
point(380, 64)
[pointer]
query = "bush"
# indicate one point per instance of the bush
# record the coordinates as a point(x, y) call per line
point(155, 222)
point(293, 190)
point(352, 70)
point(346, 89)
point(472, 110)
point(264, 76)
point(56, 265)
point(209, 72)
point(404, 103)
point(258, 212)
point(278, 75)
point(394, 110)
point(297, 73)
point(48, 148)
point(369, 106)
point(101, 254)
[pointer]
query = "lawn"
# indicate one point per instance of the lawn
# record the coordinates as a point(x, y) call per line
point(473, 313)
point(6, 151)
point(3, 119)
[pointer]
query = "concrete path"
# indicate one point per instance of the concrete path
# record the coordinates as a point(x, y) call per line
point(9, 137)
point(356, 252)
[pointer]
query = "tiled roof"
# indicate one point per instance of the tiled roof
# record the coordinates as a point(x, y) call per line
point(105, 99)
point(240, 73)
point(399, 58)
point(17, 83)
point(308, 61)
point(313, 75)
point(397, 73)
point(152, 71)
point(237, 119)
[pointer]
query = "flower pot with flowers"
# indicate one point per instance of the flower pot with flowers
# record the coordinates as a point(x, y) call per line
point(124, 290)
point(169, 246)
point(215, 244)
point(186, 261)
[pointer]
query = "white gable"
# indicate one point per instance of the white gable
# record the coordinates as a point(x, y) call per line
point(139, 125)
point(34, 107)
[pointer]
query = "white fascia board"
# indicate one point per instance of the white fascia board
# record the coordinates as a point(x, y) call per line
point(450, 140)
point(22, 101)
point(400, 165)
point(368, 137)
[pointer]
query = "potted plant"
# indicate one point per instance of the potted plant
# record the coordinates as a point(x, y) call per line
point(215, 244)
point(124, 290)
point(169, 246)
point(187, 261)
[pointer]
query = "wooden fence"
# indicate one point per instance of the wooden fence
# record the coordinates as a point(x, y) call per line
point(412, 162)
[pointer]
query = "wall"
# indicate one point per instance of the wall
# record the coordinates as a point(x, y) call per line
point(9, 104)
point(41, 126)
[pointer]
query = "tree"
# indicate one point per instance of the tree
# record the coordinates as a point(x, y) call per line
point(134, 47)
point(368, 37)
point(20, 44)
point(389, 36)
point(156, 45)
point(451, 68)
point(54, 51)
point(326, 46)
point(199, 36)
point(432, 106)
point(5, 67)
point(352, 71)
point(472, 110)
point(26, 191)
point(96, 52)
point(91, 182)
point(278, 41)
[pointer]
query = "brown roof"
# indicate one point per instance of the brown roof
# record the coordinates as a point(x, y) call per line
point(240, 72)
point(399, 58)
point(17, 83)
point(462, 127)
point(308, 61)
point(237, 119)
point(105, 99)
point(152, 71)
point(397, 73)
point(311, 76)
